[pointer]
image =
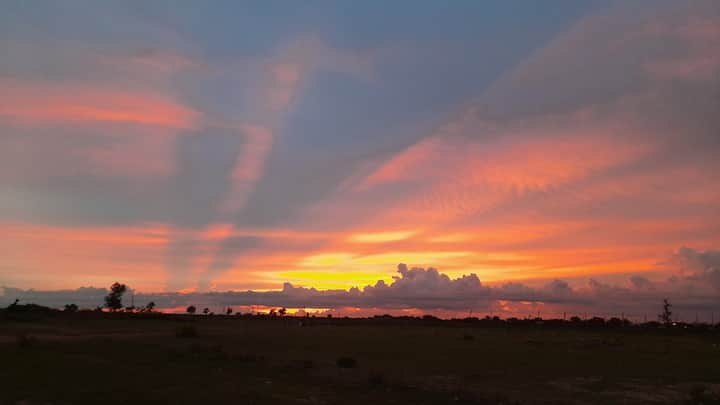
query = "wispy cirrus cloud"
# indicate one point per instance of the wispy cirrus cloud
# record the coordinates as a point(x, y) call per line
point(574, 152)
point(35, 103)
point(584, 147)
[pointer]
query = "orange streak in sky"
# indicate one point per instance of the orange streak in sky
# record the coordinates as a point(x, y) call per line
point(36, 103)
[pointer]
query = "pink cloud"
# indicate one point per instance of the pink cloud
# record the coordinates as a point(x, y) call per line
point(73, 256)
point(139, 156)
point(39, 104)
point(303, 57)
point(702, 68)
point(578, 160)
point(162, 61)
point(248, 165)
point(285, 81)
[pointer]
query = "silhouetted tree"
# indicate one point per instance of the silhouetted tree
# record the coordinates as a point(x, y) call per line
point(114, 300)
point(615, 321)
point(150, 306)
point(71, 308)
point(282, 311)
point(596, 321)
point(206, 311)
point(191, 309)
point(229, 311)
point(666, 315)
point(272, 312)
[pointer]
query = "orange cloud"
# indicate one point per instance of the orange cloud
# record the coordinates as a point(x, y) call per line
point(36, 103)
point(380, 237)
point(67, 257)
point(137, 155)
point(468, 176)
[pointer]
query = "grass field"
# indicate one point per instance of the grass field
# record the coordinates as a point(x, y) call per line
point(151, 358)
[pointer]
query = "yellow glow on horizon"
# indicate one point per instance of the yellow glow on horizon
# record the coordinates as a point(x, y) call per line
point(379, 237)
point(411, 258)
point(324, 280)
point(449, 238)
point(325, 259)
point(391, 258)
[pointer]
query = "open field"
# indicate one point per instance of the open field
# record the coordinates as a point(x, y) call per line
point(92, 358)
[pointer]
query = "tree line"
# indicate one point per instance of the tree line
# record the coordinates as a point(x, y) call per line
point(113, 302)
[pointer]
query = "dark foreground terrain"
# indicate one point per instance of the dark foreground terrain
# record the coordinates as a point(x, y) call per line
point(98, 358)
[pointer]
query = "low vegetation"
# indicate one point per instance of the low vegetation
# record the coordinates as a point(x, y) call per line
point(187, 331)
point(81, 356)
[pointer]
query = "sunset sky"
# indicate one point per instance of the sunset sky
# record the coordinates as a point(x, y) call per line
point(528, 150)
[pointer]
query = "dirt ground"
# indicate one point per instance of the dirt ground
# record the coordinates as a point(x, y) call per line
point(115, 358)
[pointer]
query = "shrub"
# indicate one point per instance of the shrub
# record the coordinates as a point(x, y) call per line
point(187, 331)
point(346, 362)
point(25, 341)
point(27, 312)
point(701, 394)
point(376, 378)
point(210, 352)
point(248, 357)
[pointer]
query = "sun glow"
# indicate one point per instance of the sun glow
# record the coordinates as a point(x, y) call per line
point(380, 237)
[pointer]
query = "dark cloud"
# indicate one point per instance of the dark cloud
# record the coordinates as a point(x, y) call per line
point(699, 266)
point(641, 283)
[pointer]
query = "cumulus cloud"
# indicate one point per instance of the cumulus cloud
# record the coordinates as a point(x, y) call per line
point(641, 283)
point(699, 266)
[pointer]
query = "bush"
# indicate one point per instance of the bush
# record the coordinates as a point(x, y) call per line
point(346, 362)
point(247, 357)
point(25, 341)
point(213, 352)
point(27, 312)
point(701, 394)
point(187, 331)
point(376, 378)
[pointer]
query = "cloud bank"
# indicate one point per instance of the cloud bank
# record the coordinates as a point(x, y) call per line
point(693, 289)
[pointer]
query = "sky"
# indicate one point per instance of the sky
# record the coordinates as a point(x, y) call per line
point(373, 156)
